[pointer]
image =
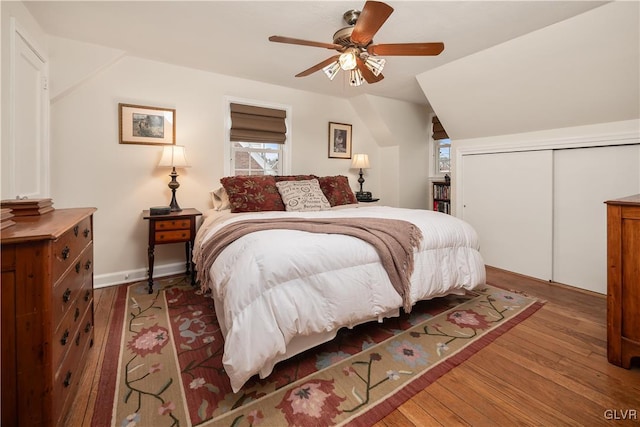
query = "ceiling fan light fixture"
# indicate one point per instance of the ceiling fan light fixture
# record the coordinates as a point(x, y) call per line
point(331, 70)
point(375, 64)
point(348, 59)
point(355, 77)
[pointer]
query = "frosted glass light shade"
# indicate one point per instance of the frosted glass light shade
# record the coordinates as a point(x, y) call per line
point(348, 60)
point(331, 70)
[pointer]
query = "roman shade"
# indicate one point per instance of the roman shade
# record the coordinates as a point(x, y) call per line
point(438, 129)
point(257, 124)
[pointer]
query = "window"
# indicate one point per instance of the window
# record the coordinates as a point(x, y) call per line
point(443, 156)
point(442, 148)
point(256, 158)
point(257, 143)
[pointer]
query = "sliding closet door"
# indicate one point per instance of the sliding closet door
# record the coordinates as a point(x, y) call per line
point(583, 179)
point(507, 198)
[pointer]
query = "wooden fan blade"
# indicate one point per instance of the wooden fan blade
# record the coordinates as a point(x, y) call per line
point(290, 40)
point(318, 67)
point(367, 73)
point(373, 15)
point(406, 49)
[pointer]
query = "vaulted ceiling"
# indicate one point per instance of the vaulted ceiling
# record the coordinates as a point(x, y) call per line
point(231, 37)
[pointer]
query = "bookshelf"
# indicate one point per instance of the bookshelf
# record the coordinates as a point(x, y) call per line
point(442, 197)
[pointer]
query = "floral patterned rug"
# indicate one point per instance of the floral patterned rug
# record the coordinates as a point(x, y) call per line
point(163, 363)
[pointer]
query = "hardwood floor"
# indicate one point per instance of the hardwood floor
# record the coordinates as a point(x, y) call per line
point(551, 369)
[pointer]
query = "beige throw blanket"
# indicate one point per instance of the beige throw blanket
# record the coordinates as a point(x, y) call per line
point(393, 239)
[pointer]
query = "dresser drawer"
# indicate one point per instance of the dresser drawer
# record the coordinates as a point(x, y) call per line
point(67, 248)
point(172, 236)
point(67, 377)
point(73, 286)
point(66, 332)
point(173, 224)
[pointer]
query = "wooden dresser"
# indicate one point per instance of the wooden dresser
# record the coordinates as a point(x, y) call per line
point(623, 280)
point(47, 314)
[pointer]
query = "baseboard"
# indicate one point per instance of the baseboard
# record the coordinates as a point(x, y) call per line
point(121, 277)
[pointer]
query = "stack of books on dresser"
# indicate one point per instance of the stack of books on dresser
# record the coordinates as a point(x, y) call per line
point(5, 218)
point(28, 207)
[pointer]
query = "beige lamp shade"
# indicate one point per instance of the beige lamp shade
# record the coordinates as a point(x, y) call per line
point(360, 161)
point(174, 156)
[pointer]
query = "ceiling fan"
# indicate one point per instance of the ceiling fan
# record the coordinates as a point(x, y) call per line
point(358, 54)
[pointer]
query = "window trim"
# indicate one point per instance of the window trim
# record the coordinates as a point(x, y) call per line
point(286, 147)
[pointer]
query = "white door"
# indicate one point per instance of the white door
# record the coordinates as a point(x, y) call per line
point(583, 180)
point(507, 198)
point(26, 166)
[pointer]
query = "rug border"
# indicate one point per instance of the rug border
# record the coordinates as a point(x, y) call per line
point(395, 400)
point(103, 406)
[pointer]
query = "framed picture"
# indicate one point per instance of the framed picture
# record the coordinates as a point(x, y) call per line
point(339, 141)
point(146, 125)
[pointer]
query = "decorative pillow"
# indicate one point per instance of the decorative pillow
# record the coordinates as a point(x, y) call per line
point(337, 190)
point(294, 177)
point(302, 195)
point(252, 193)
point(220, 199)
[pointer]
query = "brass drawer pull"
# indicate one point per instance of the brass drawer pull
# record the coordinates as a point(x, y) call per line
point(76, 314)
point(75, 230)
point(78, 267)
point(65, 252)
point(65, 337)
point(66, 296)
point(86, 232)
point(87, 265)
point(87, 296)
point(67, 379)
point(87, 328)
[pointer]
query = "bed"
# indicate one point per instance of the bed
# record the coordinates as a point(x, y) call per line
point(278, 292)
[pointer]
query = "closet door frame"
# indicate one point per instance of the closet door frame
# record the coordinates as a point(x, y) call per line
point(35, 124)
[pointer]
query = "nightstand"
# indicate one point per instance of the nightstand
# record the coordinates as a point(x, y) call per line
point(174, 227)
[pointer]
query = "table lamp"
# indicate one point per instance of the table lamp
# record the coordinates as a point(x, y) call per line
point(174, 156)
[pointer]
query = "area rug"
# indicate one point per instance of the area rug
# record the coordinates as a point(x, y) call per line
point(163, 361)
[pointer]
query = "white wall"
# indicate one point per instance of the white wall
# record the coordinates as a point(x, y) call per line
point(90, 168)
point(580, 71)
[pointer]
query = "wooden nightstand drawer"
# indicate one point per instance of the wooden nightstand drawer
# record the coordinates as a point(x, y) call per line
point(177, 224)
point(172, 236)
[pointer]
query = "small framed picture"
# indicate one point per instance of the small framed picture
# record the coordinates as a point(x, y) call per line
point(339, 141)
point(146, 125)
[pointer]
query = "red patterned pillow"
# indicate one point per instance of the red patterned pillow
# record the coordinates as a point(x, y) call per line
point(337, 190)
point(253, 193)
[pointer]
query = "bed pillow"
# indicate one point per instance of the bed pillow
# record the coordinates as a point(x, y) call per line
point(220, 199)
point(294, 177)
point(337, 190)
point(253, 193)
point(302, 196)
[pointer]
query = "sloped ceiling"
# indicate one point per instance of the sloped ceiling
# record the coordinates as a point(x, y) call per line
point(581, 71)
point(230, 37)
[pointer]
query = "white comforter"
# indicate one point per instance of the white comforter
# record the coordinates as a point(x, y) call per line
point(278, 289)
